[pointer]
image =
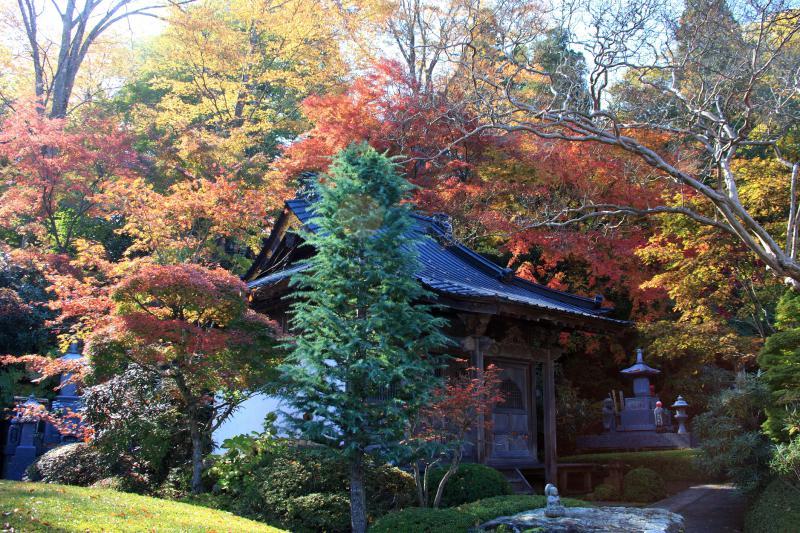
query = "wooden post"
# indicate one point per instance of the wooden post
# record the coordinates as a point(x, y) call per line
point(480, 365)
point(550, 454)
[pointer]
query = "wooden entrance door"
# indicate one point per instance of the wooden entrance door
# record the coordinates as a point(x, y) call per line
point(511, 437)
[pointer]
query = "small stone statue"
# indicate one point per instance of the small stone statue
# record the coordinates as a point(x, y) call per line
point(658, 414)
point(554, 508)
point(608, 414)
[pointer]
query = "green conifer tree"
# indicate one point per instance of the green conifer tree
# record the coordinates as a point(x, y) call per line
point(780, 361)
point(361, 360)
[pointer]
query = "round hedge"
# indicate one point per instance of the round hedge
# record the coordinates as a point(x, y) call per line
point(71, 464)
point(605, 492)
point(470, 483)
point(423, 520)
point(643, 485)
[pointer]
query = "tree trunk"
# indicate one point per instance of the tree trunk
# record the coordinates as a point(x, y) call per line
point(197, 454)
point(358, 500)
point(437, 500)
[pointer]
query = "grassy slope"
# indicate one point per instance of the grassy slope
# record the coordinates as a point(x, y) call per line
point(35, 507)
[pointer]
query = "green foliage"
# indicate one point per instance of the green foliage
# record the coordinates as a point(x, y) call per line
point(780, 361)
point(731, 443)
point(573, 415)
point(604, 492)
point(71, 464)
point(643, 485)
point(38, 507)
point(301, 486)
point(359, 363)
point(471, 482)
point(776, 510)
point(786, 460)
point(671, 465)
point(423, 520)
point(461, 518)
point(137, 427)
point(489, 508)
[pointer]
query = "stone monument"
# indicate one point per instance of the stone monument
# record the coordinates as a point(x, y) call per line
point(638, 422)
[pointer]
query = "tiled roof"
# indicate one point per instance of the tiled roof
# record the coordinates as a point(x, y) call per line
point(449, 268)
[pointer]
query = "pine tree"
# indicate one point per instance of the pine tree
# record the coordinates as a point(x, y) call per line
point(361, 360)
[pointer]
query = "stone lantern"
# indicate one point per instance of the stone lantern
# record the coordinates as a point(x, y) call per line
point(680, 406)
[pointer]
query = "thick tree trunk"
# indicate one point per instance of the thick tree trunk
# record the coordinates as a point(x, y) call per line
point(358, 500)
point(197, 455)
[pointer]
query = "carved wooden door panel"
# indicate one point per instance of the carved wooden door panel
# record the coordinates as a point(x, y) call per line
point(510, 435)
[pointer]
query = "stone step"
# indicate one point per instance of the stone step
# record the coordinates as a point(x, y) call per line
point(517, 481)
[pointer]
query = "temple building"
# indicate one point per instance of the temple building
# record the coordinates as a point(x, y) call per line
point(494, 316)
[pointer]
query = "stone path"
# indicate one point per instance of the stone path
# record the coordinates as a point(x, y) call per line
point(708, 508)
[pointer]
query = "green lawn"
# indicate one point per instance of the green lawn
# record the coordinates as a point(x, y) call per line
point(672, 465)
point(33, 507)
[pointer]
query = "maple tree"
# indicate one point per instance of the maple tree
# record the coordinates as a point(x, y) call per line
point(439, 431)
point(54, 173)
point(189, 326)
point(222, 83)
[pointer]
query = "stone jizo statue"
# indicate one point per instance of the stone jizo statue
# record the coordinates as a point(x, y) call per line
point(608, 414)
point(554, 508)
point(658, 414)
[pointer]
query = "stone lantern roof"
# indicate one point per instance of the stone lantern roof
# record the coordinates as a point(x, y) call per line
point(640, 368)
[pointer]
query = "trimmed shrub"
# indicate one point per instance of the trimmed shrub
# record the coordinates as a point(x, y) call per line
point(776, 510)
point(320, 512)
point(471, 482)
point(423, 520)
point(604, 492)
point(70, 464)
point(301, 487)
point(489, 508)
point(643, 485)
point(462, 518)
point(671, 465)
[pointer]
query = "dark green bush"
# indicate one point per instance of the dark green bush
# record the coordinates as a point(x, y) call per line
point(471, 482)
point(462, 518)
point(70, 464)
point(730, 437)
point(671, 465)
point(604, 492)
point(320, 512)
point(776, 510)
point(301, 487)
point(137, 430)
point(423, 520)
point(643, 485)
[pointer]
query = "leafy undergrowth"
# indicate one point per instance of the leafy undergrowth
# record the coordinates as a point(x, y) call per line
point(37, 507)
point(776, 510)
point(671, 465)
point(463, 517)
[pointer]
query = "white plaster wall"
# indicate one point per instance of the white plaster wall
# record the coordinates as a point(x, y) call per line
point(248, 418)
